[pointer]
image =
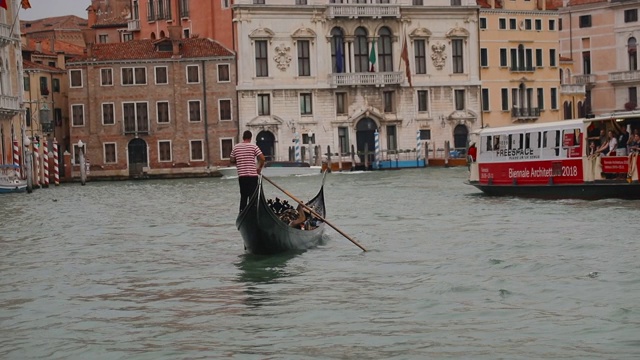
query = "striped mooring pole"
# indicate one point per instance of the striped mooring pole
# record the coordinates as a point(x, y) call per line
point(45, 162)
point(16, 156)
point(56, 164)
point(36, 156)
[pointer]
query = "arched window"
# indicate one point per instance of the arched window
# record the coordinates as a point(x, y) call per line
point(360, 50)
point(581, 110)
point(521, 64)
point(162, 34)
point(561, 76)
point(385, 51)
point(153, 36)
point(567, 110)
point(337, 51)
point(632, 47)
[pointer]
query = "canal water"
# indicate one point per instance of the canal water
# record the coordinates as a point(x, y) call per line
point(156, 270)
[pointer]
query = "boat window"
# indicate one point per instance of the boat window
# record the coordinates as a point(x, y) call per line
point(520, 141)
point(487, 142)
point(545, 136)
point(557, 143)
point(510, 141)
point(527, 140)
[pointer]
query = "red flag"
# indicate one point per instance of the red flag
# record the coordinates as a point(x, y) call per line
point(3, 3)
point(405, 57)
point(25, 4)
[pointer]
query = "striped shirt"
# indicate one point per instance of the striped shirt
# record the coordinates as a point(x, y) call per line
point(245, 154)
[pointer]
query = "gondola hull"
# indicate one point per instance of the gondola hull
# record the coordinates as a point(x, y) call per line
point(264, 233)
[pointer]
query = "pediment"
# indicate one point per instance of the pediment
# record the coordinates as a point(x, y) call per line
point(458, 32)
point(265, 121)
point(420, 33)
point(462, 115)
point(262, 33)
point(366, 111)
point(304, 33)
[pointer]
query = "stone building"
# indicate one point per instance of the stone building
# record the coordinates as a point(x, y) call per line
point(333, 73)
point(600, 38)
point(151, 19)
point(519, 61)
point(153, 108)
point(10, 87)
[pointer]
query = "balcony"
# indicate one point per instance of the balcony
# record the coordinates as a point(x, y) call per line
point(377, 79)
point(624, 76)
point(372, 10)
point(587, 79)
point(522, 69)
point(9, 106)
point(6, 37)
point(573, 89)
point(134, 25)
point(525, 113)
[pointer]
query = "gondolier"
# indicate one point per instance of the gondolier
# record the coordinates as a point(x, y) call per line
point(244, 156)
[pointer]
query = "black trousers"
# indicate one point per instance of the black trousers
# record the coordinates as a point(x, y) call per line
point(248, 185)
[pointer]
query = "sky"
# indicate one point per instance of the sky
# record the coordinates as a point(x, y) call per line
point(49, 8)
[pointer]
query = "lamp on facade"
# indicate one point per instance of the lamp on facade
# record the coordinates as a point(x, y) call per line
point(45, 119)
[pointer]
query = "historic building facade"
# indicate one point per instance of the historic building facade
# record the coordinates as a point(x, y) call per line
point(149, 108)
point(519, 61)
point(151, 19)
point(10, 87)
point(335, 73)
point(600, 37)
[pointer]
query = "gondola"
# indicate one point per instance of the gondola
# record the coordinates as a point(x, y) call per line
point(264, 233)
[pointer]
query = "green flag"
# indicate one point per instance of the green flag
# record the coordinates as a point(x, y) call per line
point(372, 56)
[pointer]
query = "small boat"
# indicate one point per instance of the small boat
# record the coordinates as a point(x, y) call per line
point(553, 161)
point(9, 180)
point(278, 168)
point(264, 233)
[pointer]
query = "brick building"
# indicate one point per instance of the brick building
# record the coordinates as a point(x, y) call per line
point(153, 108)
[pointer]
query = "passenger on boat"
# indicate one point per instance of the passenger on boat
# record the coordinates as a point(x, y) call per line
point(634, 144)
point(472, 152)
point(609, 147)
point(623, 139)
point(592, 148)
point(298, 221)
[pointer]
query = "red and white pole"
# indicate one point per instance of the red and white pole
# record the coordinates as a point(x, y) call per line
point(56, 167)
point(16, 156)
point(45, 162)
point(36, 156)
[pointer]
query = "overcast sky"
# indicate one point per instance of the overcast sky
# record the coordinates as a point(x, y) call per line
point(48, 8)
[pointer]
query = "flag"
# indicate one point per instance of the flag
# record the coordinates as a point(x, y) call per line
point(404, 55)
point(25, 4)
point(372, 56)
point(3, 3)
point(339, 57)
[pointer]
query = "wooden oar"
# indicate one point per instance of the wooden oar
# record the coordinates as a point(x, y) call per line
point(314, 213)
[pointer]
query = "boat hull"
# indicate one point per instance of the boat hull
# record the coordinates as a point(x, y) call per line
point(12, 188)
point(586, 191)
point(264, 233)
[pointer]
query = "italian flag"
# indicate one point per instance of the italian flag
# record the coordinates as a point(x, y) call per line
point(372, 57)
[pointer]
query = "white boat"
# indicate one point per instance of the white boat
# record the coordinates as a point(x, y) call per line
point(9, 180)
point(278, 168)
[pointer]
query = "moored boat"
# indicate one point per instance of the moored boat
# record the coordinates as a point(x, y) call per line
point(278, 168)
point(10, 181)
point(264, 232)
point(555, 160)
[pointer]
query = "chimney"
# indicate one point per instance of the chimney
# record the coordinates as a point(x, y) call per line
point(174, 35)
point(89, 36)
point(52, 45)
point(62, 62)
point(39, 46)
point(91, 15)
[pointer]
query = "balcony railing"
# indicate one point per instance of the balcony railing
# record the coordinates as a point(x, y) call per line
point(573, 89)
point(587, 79)
point(528, 113)
point(9, 105)
point(6, 37)
point(134, 25)
point(522, 69)
point(378, 79)
point(624, 76)
point(363, 10)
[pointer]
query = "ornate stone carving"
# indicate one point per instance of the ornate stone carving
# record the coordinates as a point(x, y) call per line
point(438, 56)
point(282, 57)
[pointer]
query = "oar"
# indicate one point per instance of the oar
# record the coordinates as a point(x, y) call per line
point(314, 213)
